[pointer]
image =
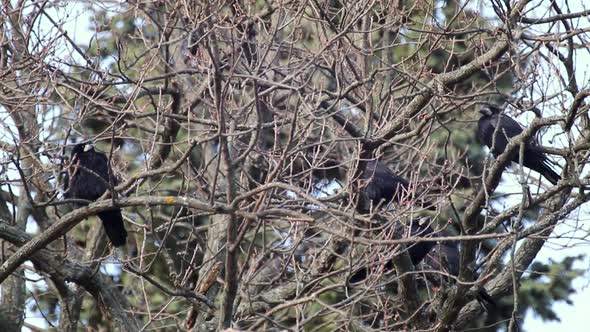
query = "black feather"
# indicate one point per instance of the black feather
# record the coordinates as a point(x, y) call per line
point(382, 186)
point(445, 257)
point(88, 178)
point(416, 251)
point(112, 221)
point(495, 130)
point(419, 250)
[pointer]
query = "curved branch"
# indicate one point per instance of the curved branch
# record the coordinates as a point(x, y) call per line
point(109, 298)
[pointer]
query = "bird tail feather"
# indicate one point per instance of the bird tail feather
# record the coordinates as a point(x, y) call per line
point(550, 174)
point(486, 301)
point(112, 221)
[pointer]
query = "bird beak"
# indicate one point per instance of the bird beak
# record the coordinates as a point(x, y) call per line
point(88, 147)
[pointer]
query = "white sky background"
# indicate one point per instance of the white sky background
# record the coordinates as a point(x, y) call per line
point(572, 317)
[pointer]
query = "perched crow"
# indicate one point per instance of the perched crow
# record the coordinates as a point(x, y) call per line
point(417, 251)
point(88, 178)
point(445, 257)
point(507, 128)
point(382, 186)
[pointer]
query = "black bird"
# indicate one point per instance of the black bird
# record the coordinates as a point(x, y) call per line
point(383, 186)
point(445, 257)
point(88, 178)
point(442, 256)
point(507, 128)
point(416, 251)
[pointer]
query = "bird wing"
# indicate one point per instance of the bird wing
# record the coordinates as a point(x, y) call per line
point(498, 138)
point(509, 126)
point(89, 175)
point(390, 186)
point(99, 164)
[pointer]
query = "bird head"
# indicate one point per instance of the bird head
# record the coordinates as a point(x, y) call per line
point(485, 111)
point(421, 227)
point(490, 109)
point(83, 147)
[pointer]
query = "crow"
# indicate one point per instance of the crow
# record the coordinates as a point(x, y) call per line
point(445, 257)
point(87, 178)
point(442, 256)
point(419, 250)
point(494, 129)
point(383, 186)
point(416, 251)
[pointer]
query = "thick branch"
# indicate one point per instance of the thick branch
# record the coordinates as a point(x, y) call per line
point(99, 286)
